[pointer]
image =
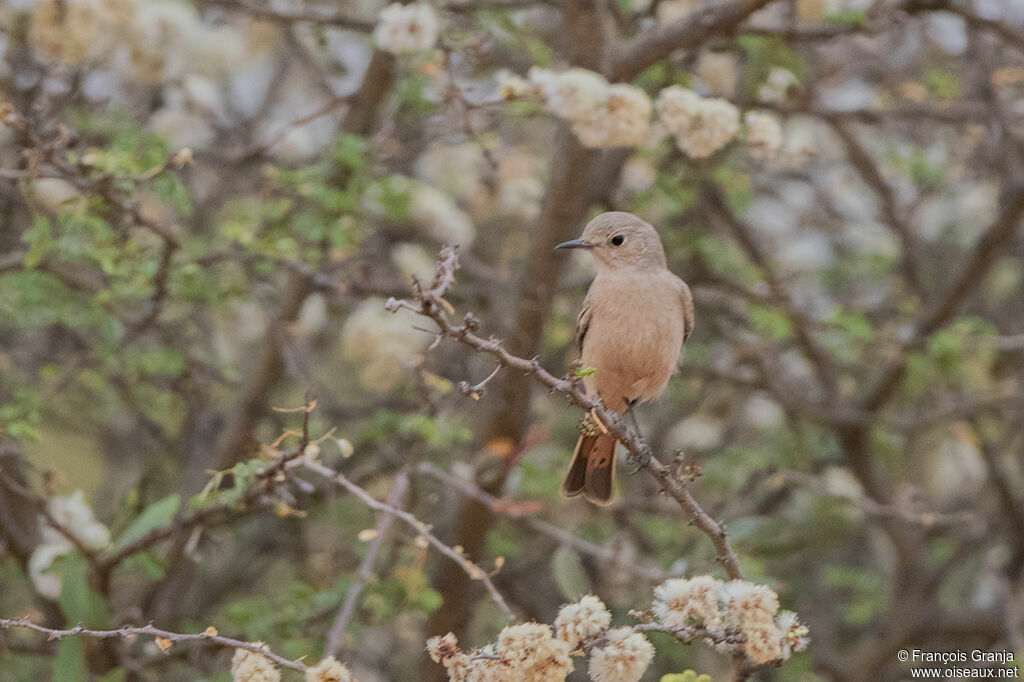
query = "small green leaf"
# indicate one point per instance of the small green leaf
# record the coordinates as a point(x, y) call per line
point(584, 372)
point(69, 665)
point(771, 321)
point(685, 676)
point(156, 514)
point(568, 572)
point(847, 17)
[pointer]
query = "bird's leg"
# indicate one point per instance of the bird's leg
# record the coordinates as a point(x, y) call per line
point(640, 437)
point(632, 417)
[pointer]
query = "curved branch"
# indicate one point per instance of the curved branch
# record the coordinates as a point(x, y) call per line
point(208, 635)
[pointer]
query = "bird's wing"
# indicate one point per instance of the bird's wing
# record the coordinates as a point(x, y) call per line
point(687, 300)
point(583, 322)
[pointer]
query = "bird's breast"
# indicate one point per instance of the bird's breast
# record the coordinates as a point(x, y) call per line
point(634, 336)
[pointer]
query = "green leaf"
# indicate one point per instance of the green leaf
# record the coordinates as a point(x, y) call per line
point(40, 240)
point(568, 572)
point(853, 322)
point(74, 593)
point(162, 360)
point(847, 17)
point(350, 151)
point(172, 191)
point(156, 514)
point(148, 563)
point(771, 321)
point(69, 665)
point(212, 486)
point(685, 676)
point(584, 372)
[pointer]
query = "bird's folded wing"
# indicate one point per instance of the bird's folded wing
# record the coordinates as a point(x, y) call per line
point(583, 322)
point(687, 300)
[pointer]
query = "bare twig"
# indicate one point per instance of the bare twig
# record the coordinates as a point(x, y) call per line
point(210, 635)
point(685, 34)
point(348, 607)
point(269, 14)
point(471, 569)
point(497, 505)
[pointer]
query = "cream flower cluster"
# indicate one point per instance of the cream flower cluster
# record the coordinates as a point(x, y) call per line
point(528, 651)
point(76, 517)
point(623, 657)
point(601, 115)
point(165, 39)
point(406, 28)
point(745, 607)
point(249, 666)
point(329, 670)
point(381, 344)
point(582, 620)
point(531, 651)
point(700, 125)
point(764, 134)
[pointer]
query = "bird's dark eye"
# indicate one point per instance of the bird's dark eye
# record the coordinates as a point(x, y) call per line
point(617, 240)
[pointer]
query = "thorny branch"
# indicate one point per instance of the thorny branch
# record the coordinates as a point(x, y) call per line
point(365, 572)
point(430, 302)
point(422, 529)
point(512, 510)
point(209, 635)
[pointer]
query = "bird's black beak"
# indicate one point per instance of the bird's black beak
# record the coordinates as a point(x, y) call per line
point(574, 244)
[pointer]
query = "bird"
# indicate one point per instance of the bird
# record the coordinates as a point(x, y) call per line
point(630, 332)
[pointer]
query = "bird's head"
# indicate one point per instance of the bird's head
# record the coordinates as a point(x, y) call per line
point(619, 240)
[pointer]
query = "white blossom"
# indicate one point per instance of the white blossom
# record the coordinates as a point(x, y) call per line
point(680, 601)
point(47, 583)
point(778, 86)
point(795, 635)
point(249, 666)
point(624, 657)
point(433, 210)
point(381, 344)
point(531, 652)
point(73, 514)
point(406, 28)
point(520, 185)
point(764, 134)
point(582, 620)
point(701, 125)
point(574, 94)
point(623, 120)
point(412, 260)
point(748, 602)
point(601, 115)
point(328, 670)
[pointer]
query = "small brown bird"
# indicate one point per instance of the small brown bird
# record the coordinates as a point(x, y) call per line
point(631, 330)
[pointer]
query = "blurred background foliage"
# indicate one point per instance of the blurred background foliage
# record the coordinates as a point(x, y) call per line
point(204, 206)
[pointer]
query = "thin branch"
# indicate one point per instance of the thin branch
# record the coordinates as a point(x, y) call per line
point(471, 569)
point(500, 506)
point(43, 508)
point(869, 172)
point(205, 517)
point(686, 34)
point(348, 607)
point(335, 20)
point(1004, 31)
point(980, 261)
point(128, 631)
point(821, 361)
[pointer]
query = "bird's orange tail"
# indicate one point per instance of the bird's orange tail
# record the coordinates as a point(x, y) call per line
point(592, 471)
